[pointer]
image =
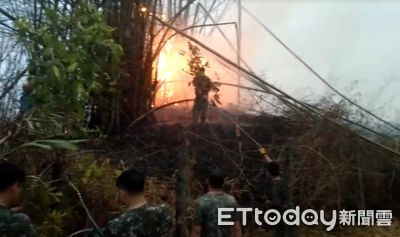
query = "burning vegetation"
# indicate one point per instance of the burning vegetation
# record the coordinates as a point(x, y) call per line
point(130, 61)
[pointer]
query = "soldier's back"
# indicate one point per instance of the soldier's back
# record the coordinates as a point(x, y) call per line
point(145, 221)
point(280, 195)
point(206, 213)
point(15, 224)
point(202, 83)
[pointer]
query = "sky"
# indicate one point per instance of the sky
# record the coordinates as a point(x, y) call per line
point(353, 44)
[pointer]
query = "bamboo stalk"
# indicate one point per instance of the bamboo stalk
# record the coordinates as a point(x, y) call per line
point(196, 26)
point(169, 9)
point(155, 109)
point(222, 14)
point(195, 16)
point(171, 21)
point(207, 15)
point(217, 6)
point(161, 7)
point(284, 97)
point(186, 15)
point(233, 48)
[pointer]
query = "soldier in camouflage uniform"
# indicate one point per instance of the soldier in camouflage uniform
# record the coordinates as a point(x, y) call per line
point(202, 85)
point(13, 224)
point(141, 219)
point(280, 199)
point(205, 219)
point(26, 101)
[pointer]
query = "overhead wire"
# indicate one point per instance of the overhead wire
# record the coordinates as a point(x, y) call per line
point(315, 72)
point(284, 97)
point(292, 107)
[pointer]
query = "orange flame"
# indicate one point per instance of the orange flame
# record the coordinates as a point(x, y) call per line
point(171, 65)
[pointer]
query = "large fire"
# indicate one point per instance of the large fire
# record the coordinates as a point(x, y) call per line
point(171, 75)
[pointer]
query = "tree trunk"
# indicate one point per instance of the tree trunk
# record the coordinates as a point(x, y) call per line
point(134, 33)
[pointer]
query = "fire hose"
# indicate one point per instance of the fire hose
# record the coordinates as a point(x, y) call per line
point(261, 149)
point(89, 215)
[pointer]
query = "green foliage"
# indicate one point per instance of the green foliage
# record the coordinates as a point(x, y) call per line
point(72, 57)
point(195, 61)
point(53, 144)
point(53, 224)
point(40, 200)
point(88, 169)
point(96, 181)
point(54, 206)
point(50, 145)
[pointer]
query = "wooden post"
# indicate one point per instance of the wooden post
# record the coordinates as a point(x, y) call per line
point(361, 184)
point(239, 46)
point(361, 204)
point(182, 188)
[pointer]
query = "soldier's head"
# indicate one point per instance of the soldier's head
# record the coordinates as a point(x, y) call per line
point(11, 179)
point(27, 88)
point(202, 71)
point(130, 184)
point(216, 179)
point(274, 169)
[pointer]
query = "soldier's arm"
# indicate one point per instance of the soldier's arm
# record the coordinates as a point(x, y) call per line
point(95, 233)
point(210, 84)
point(196, 231)
point(113, 228)
point(286, 195)
point(236, 228)
point(24, 225)
point(264, 155)
point(168, 221)
point(276, 197)
point(194, 81)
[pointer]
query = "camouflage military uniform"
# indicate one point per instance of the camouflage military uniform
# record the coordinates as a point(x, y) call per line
point(145, 221)
point(26, 102)
point(279, 195)
point(14, 224)
point(202, 85)
point(281, 201)
point(206, 214)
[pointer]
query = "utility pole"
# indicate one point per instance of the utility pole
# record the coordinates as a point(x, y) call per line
point(239, 49)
